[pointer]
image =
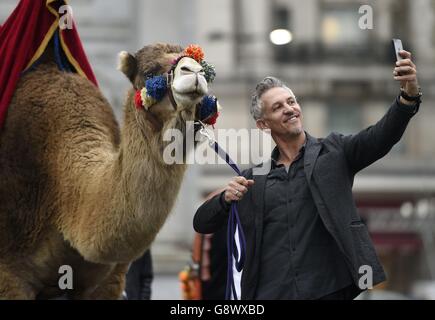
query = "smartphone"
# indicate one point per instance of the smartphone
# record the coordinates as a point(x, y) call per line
point(397, 46)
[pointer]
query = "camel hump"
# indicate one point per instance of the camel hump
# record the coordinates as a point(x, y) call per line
point(55, 123)
point(54, 114)
point(55, 105)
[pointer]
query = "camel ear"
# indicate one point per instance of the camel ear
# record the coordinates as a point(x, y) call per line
point(128, 65)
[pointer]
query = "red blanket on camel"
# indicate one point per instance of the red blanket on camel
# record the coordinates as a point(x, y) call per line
point(25, 36)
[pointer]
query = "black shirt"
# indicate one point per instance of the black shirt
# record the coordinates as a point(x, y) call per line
point(299, 258)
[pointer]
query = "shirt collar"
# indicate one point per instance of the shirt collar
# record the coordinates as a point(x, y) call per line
point(275, 152)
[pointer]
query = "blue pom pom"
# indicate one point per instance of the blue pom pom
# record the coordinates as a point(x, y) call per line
point(208, 107)
point(156, 87)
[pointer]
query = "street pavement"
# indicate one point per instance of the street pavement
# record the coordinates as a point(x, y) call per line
point(165, 287)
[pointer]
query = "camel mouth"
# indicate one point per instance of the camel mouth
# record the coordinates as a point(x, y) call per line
point(193, 90)
point(194, 94)
point(191, 95)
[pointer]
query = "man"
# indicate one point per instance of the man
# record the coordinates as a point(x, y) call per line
point(304, 237)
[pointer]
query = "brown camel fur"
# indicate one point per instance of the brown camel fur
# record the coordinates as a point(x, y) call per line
point(74, 189)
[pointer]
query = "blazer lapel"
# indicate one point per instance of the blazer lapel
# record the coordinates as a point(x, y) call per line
point(311, 153)
point(258, 190)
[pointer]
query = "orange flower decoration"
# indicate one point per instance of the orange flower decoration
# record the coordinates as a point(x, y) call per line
point(195, 52)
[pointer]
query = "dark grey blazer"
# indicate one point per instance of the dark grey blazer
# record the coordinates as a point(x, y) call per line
point(330, 166)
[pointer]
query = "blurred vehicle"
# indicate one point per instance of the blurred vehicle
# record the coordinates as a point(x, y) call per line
point(424, 290)
point(382, 295)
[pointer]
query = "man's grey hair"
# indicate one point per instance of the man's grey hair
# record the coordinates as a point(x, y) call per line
point(265, 85)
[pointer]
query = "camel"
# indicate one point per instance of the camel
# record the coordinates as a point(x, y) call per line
point(75, 189)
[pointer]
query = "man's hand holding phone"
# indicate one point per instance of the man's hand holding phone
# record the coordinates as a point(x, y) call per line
point(405, 72)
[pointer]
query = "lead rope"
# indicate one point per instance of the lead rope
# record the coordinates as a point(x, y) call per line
point(233, 224)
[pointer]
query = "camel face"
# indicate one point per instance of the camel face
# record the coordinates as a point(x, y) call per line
point(189, 85)
point(164, 105)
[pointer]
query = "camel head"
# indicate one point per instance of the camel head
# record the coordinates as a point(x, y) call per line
point(171, 85)
point(189, 85)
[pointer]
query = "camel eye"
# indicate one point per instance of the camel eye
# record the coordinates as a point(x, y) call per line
point(148, 76)
point(185, 69)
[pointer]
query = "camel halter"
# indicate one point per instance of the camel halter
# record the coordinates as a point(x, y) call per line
point(208, 107)
point(155, 122)
point(169, 79)
point(156, 87)
point(233, 223)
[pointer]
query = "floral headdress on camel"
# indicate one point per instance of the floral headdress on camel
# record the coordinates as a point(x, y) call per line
point(156, 87)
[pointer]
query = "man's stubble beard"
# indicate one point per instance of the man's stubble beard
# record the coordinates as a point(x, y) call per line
point(296, 132)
